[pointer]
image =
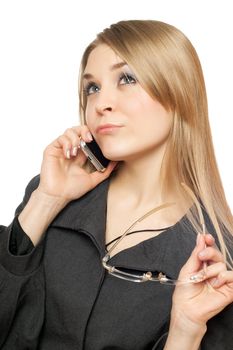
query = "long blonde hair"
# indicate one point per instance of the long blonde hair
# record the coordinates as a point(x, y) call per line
point(167, 66)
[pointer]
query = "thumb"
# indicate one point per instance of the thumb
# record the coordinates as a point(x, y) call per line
point(194, 264)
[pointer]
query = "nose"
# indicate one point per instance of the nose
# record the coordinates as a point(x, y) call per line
point(105, 102)
point(104, 107)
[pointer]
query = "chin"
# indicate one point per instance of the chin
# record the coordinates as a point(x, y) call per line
point(117, 150)
point(114, 157)
point(115, 154)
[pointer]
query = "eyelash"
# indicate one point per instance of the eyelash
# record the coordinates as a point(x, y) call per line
point(129, 79)
point(90, 86)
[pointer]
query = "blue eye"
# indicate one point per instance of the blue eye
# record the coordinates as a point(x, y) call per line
point(126, 79)
point(91, 88)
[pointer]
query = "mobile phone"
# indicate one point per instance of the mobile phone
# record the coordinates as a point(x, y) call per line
point(94, 155)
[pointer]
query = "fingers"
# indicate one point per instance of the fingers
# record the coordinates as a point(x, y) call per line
point(209, 239)
point(194, 264)
point(71, 138)
point(215, 270)
point(224, 277)
point(69, 142)
point(202, 253)
point(209, 272)
point(82, 131)
point(217, 275)
point(68, 148)
point(211, 254)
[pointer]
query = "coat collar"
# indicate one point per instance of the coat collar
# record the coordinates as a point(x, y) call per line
point(87, 214)
point(165, 253)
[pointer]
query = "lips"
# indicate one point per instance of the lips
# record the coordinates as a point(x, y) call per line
point(108, 128)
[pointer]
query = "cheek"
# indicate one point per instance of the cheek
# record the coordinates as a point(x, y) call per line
point(151, 111)
point(89, 116)
point(131, 106)
point(152, 117)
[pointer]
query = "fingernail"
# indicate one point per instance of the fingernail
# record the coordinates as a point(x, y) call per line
point(68, 154)
point(215, 282)
point(202, 253)
point(199, 277)
point(75, 151)
point(89, 136)
point(211, 237)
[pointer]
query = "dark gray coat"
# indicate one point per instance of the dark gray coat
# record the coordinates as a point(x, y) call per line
point(58, 296)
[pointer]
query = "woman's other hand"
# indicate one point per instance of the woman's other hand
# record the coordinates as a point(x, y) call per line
point(212, 288)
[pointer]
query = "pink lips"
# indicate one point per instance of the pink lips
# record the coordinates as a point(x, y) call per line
point(107, 129)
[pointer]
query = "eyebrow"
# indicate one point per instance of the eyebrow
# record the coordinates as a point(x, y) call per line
point(112, 68)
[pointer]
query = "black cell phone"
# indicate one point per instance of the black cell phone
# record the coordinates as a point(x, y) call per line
point(94, 155)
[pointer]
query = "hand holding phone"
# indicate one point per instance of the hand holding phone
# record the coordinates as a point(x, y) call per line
point(94, 155)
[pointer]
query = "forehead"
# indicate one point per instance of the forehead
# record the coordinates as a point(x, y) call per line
point(101, 56)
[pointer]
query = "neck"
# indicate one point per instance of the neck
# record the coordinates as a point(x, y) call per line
point(139, 180)
point(136, 189)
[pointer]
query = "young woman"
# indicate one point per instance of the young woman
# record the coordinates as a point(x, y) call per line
point(137, 256)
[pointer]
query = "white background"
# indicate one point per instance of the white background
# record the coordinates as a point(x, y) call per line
point(41, 43)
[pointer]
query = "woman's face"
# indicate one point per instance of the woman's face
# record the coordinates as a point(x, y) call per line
point(123, 118)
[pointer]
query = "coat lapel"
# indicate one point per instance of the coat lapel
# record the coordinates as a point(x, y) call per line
point(87, 214)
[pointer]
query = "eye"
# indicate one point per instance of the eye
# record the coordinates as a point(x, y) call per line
point(91, 88)
point(126, 79)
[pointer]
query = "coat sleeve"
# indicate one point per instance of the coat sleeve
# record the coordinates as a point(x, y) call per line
point(219, 333)
point(21, 288)
point(160, 343)
point(19, 242)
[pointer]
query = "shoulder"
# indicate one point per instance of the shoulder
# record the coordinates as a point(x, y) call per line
point(32, 185)
point(85, 212)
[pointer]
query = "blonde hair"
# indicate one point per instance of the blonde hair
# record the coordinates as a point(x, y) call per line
point(168, 68)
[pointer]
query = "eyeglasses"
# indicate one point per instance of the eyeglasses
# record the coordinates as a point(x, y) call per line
point(150, 276)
